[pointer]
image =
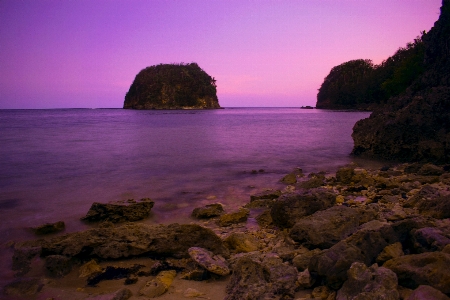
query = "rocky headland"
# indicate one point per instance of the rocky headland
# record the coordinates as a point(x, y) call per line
point(353, 234)
point(172, 86)
point(409, 94)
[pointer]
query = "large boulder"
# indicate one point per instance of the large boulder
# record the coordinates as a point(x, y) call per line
point(430, 268)
point(291, 207)
point(363, 246)
point(128, 211)
point(369, 283)
point(261, 278)
point(172, 86)
point(325, 228)
point(131, 240)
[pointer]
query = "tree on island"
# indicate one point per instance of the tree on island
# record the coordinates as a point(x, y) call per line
point(172, 86)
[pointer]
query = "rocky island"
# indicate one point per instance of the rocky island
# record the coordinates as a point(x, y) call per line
point(172, 86)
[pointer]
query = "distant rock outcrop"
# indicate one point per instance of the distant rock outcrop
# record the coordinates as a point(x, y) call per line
point(172, 86)
point(415, 126)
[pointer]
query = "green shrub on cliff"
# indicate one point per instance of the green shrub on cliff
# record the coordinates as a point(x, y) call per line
point(169, 86)
point(360, 83)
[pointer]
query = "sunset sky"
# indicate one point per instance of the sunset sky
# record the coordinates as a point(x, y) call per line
point(86, 53)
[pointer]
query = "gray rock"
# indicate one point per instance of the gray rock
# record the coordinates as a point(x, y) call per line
point(301, 261)
point(265, 278)
point(430, 268)
point(49, 228)
point(363, 246)
point(289, 208)
point(206, 259)
point(208, 211)
point(131, 240)
point(58, 265)
point(325, 228)
point(429, 239)
point(369, 283)
point(119, 212)
point(426, 292)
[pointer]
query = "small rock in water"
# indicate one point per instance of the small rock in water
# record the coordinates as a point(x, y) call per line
point(208, 211)
point(119, 212)
point(209, 261)
point(234, 218)
point(48, 228)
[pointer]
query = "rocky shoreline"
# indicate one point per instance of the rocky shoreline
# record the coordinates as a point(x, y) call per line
point(353, 234)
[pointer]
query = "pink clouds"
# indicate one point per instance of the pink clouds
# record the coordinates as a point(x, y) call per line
point(86, 53)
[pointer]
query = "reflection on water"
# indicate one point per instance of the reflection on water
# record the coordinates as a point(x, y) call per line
point(55, 163)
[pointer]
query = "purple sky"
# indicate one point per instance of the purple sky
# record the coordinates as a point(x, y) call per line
point(86, 53)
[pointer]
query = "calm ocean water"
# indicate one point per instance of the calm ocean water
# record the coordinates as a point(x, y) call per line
point(55, 163)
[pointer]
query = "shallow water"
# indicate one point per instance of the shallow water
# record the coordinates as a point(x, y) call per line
point(55, 163)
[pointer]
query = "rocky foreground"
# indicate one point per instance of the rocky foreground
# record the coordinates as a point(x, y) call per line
point(355, 234)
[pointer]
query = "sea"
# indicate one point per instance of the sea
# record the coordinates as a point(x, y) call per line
point(55, 163)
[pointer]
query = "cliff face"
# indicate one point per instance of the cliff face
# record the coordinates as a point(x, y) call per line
point(170, 86)
point(415, 126)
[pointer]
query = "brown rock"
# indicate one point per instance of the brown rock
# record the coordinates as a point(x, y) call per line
point(119, 212)
point(426, 292)
point(208, 211)
point(233, 218)
point(429, 268)
point(49, 228)
point(242, 242)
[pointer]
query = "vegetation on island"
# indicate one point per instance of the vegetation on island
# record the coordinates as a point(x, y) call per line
point(360, 84)
point(172, 86)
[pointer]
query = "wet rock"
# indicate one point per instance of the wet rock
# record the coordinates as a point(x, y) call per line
point(131, 240)
point(23, 287)
point(122, 294)
point(208, 211)
point(242, 242)
point(314, 182)
point(292, 206)
point(430, 268)
point(289, 178)
point(198, 274)
point(369, 283)
point(261, 278)
point(426, 292)
point(266, 195)
point(89, 269)
point(58, 265)
point(159, 285)
point(389, 252)
point(119, 212)
point(206, 259)
point(234, 218)
point(49, 228)
point(429, 239)
point(325, 228)
point(22, 258)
